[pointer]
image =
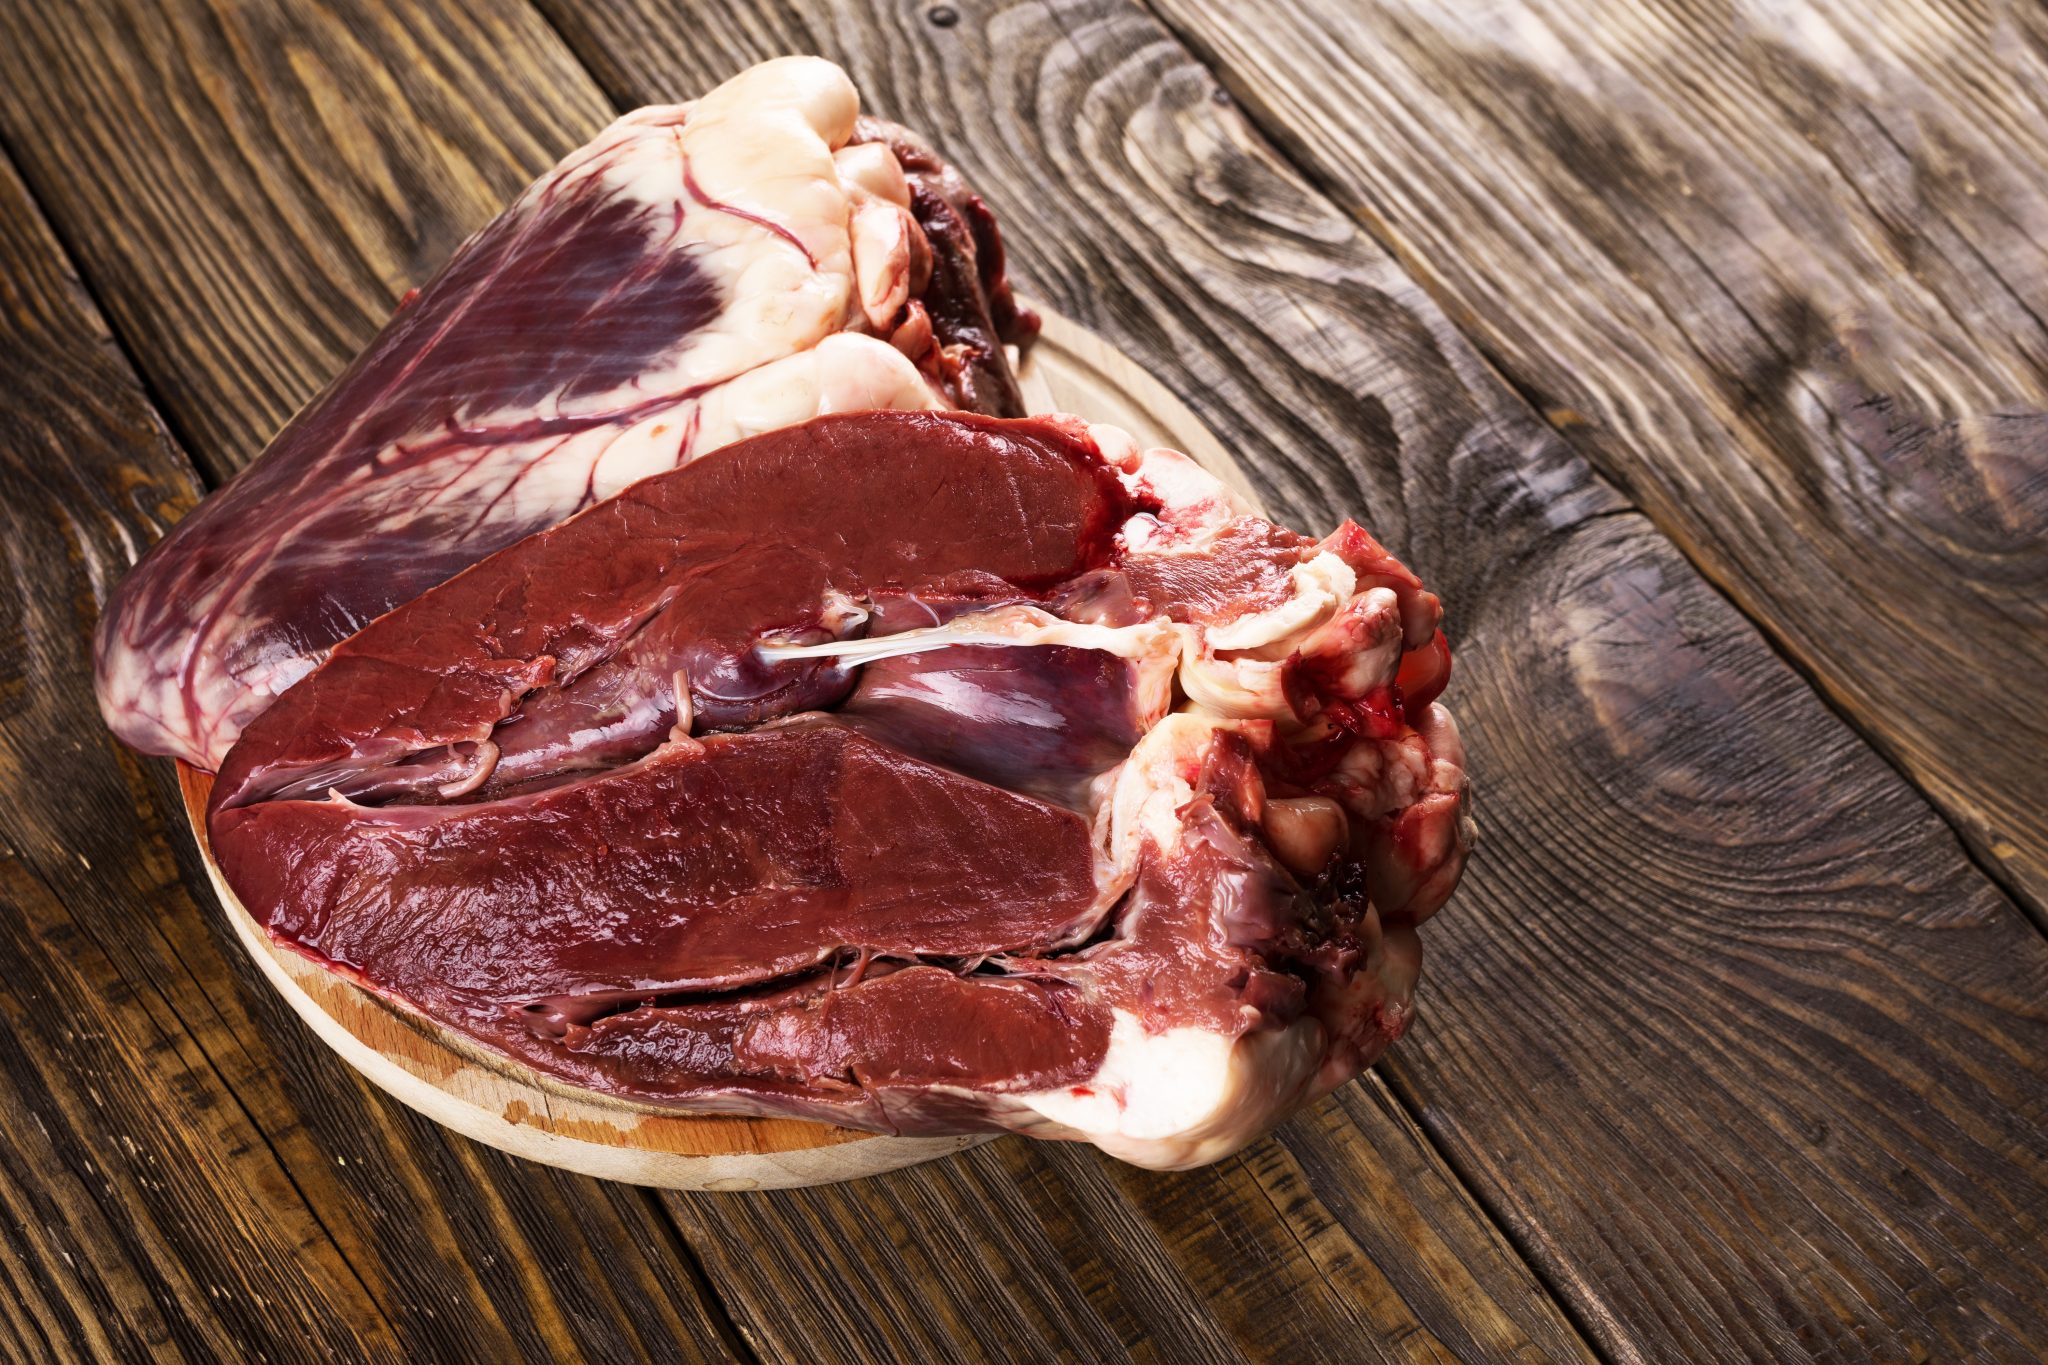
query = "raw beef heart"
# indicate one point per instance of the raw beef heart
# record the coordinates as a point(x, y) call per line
point(696, 274)
point(920, 772)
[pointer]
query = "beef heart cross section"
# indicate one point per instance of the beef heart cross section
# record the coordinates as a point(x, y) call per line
point(924, 772)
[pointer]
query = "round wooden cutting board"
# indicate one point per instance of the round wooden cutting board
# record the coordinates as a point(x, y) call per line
point(491, 1099)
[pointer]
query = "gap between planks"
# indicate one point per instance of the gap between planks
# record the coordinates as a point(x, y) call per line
point(10, 848)
point(729, 1332)
point(67, 252)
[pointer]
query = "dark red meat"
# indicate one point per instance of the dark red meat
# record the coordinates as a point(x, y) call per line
point(834, 775)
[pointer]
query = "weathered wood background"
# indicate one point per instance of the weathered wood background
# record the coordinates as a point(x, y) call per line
point(1693, 351)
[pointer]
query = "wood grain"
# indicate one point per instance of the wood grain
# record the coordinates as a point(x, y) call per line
point(1782, 270)
point(1347, 1243)
point(292, 168)
point(185, 1174)
point(242, 260)
point(1724, 1023)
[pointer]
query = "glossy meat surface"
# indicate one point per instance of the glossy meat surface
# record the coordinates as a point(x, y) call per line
point(696, 274)
point(725, 862)
point(923, 772)
point(677, 579)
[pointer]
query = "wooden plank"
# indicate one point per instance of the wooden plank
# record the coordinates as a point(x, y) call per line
point(153, 249)
point(1347, 1243)
point(1784, 276)
point(251, 188)
point(137, 1180)
point(1724, 1022)
point(185, 1173)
